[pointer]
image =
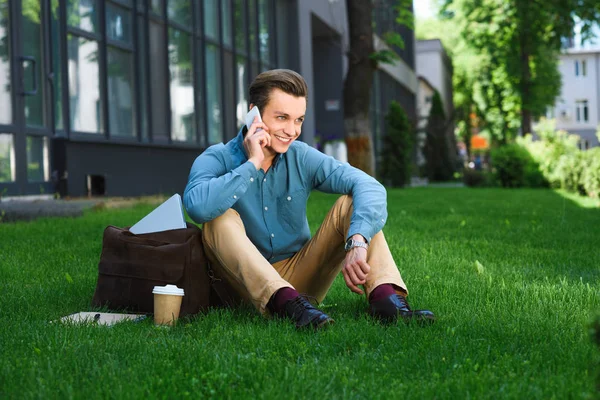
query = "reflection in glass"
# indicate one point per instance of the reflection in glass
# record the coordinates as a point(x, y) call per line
point(211, 19)
point(142, 57)
point(226, 18)
point(242, 101)
point(183, 126)
point(118, 23)
point(264, 16)
point(121, 114)
point(83, 14)
point(239, 18)
point(84, 85)
point(213, 95)
point(200, 122)
point(7, 158)
point(252, 28)
point(38, 169)
point(5, 98)
point(32, 47)
point(56, 67)
point(156, 6)
point(158, 79)
point(180, 11)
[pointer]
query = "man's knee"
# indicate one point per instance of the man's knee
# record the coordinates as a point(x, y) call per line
point(230, 220)
point(343, 205)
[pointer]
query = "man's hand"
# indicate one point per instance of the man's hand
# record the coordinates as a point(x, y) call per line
point(256, 138)
point(355, 268)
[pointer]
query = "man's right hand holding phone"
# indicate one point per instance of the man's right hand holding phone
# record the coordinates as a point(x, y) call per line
point(257, 138)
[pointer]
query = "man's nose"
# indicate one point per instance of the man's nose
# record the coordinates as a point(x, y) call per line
point(290, 129)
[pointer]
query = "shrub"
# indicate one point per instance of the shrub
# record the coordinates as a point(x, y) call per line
point(569, 170)
point(514, 167)
point(473, 178)
point(591, 174)
point(398, 147)
point(438, 151)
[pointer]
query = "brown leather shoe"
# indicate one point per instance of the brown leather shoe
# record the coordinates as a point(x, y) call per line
point(390, 308)
point(305, 314)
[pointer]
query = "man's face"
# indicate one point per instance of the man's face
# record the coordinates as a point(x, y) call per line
point(283, 114)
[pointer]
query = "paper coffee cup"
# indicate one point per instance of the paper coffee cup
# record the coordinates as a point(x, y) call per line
point(167, 303)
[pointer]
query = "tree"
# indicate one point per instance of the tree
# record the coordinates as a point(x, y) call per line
point(398, 147)
point(357, 86)
point(362, 62)
point(440, 166)
point(519, 40)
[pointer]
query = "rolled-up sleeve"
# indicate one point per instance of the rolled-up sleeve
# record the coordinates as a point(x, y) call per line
point(369, 197)
point(212, 188)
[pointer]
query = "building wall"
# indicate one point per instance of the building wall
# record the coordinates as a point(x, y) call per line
point(577, 87)
point(434, 64)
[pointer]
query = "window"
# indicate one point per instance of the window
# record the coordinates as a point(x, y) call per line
point(7, 158)
point(581, 111)
point(158, 78)
point(183, 126)
point(38, 169)
point(580, 67)
point(213, 94)
point(84, 85)
point(120, 72)
point(5, 95)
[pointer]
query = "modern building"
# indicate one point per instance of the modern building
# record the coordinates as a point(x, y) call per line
point(435, 70)
point(434, 64)
point(118, 97)
point(577, 109)
point(424, 101)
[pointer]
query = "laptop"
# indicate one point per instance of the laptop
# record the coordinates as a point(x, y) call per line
point(169, 215)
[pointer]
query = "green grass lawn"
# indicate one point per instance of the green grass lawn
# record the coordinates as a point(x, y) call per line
point(513, 276)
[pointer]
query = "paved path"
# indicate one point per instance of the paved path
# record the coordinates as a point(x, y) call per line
point(26, 210)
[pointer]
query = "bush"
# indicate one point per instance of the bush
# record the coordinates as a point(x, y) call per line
point(569, 172)
point(438, 152)
point(591, 174)
point(514, 167)
point(398, 147)
point(474, 178)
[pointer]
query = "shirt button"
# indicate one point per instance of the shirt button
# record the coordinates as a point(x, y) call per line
point(289, 198)
point(251, 179)
point(266, 208)
point(264, 180)
point(234, 196)
point(272, 235)
point(382, 220)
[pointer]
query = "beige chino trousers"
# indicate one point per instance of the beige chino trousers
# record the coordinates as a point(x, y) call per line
point(310, 271)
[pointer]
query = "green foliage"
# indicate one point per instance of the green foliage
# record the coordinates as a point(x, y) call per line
point(489, 40)
point(514, 167)
point(397, 147)
point(591, 174)
point(437, 150)
point(474, 178)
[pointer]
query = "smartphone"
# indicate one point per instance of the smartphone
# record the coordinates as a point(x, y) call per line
point(250, 116)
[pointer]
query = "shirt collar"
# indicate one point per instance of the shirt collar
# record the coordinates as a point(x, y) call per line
point(238, 143)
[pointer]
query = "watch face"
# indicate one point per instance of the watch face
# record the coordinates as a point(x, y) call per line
point(348, 244)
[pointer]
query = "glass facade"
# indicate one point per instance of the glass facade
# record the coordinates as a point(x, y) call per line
point(7, 158)
point(5, 76)
point(164, 72)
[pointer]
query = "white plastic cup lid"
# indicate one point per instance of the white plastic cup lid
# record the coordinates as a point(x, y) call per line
point(168, 289)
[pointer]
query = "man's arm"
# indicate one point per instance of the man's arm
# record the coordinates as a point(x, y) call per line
point(369, 197)
point(211, 188)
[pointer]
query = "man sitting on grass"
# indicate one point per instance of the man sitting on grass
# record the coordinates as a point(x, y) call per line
point(251, 196)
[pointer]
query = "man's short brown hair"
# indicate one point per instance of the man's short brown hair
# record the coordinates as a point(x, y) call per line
point(286, 80)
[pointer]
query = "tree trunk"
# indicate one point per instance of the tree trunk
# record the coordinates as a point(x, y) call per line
point(357, 86)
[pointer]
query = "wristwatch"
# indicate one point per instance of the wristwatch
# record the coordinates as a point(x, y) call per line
point(350, 244)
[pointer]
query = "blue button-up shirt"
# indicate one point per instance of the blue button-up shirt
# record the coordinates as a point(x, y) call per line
point(272, 204)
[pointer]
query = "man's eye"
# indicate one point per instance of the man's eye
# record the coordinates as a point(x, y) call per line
point(281, 117)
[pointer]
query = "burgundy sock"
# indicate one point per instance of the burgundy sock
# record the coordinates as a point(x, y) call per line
point(282, 296)
point(382, 291)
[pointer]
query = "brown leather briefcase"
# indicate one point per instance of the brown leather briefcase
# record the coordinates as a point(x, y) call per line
point(131, 265)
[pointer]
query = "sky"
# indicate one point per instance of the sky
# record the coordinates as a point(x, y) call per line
point(423, 8)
